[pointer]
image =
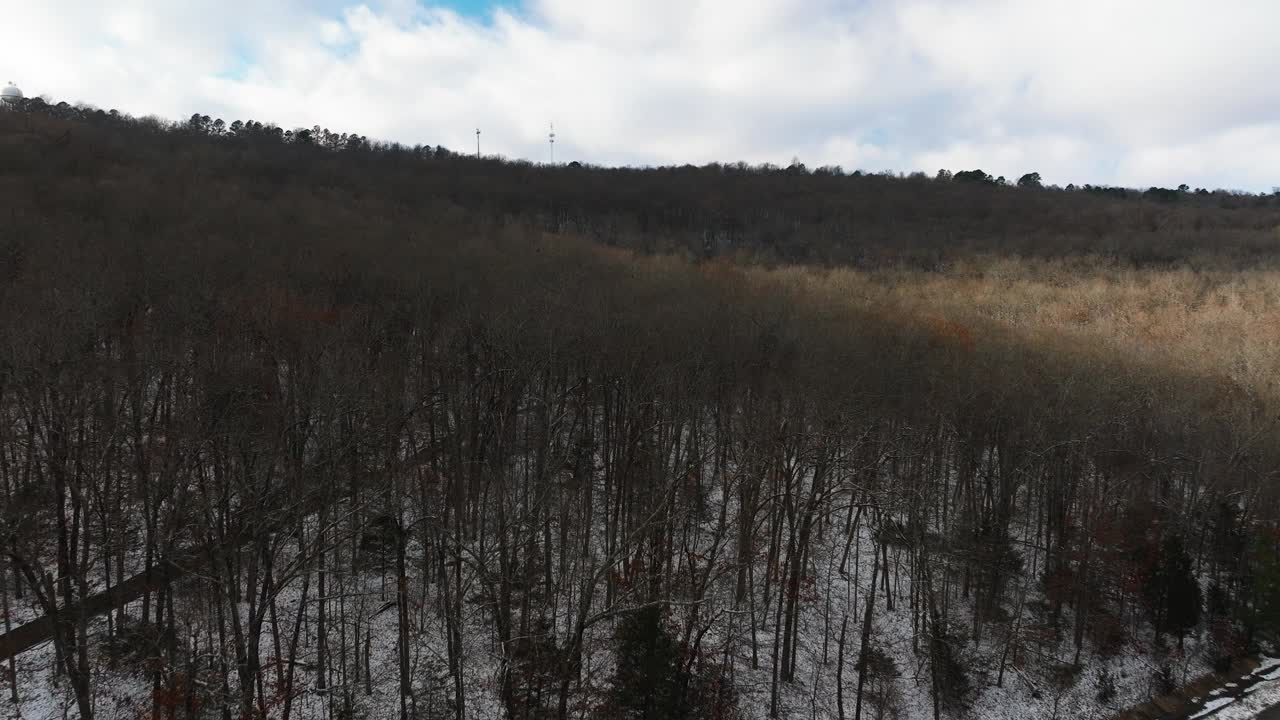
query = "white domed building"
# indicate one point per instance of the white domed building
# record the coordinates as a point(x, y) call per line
point(10, 95)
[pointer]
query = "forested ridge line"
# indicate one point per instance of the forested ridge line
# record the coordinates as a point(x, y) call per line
point(565, 456)
point(761, 213)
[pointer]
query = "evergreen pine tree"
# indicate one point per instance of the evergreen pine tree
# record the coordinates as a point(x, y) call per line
point(649, 683)
point(1261, 609)
point(1172, 593)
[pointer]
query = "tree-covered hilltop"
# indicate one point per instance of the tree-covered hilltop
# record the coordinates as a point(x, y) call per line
point(767, 213)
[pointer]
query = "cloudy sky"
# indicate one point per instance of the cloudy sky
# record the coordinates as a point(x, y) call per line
point(1132, 92)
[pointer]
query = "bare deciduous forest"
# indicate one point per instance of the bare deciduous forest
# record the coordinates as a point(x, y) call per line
point(299, 425)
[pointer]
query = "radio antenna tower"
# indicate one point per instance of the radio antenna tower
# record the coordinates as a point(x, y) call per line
point(552, 139)
point(477, 143)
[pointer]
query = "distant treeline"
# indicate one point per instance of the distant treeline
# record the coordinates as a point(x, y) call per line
point(765, 212)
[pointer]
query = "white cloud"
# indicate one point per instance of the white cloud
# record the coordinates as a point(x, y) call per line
point(1141, 92)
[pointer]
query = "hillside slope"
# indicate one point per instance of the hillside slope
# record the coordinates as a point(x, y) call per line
point(423, 458)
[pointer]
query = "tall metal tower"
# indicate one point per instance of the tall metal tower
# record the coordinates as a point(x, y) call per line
point(477, 143)
point(552, 138)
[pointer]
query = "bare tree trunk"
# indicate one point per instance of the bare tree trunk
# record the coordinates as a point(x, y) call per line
point(4, 609)
point(292, 660)
point(864, 650)
point(844, 625)
point(402, 629)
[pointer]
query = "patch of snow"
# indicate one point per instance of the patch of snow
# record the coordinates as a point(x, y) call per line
point(1256, 699)
point(1267, 663)
point(1212, 707)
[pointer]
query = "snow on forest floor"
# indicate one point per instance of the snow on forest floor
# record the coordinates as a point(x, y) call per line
point(1027, 692)
point(1262, 694)
point(1028, 689)
point(125, 694)
point(42, 695)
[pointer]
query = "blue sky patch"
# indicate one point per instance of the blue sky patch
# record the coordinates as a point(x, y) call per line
point(472, 9)
point(239, 61)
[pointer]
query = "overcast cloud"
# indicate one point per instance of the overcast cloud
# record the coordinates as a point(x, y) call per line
point(1136, 92)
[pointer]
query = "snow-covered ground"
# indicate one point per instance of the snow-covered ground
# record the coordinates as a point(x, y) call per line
point(1263, 693)
point(1030, 688)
